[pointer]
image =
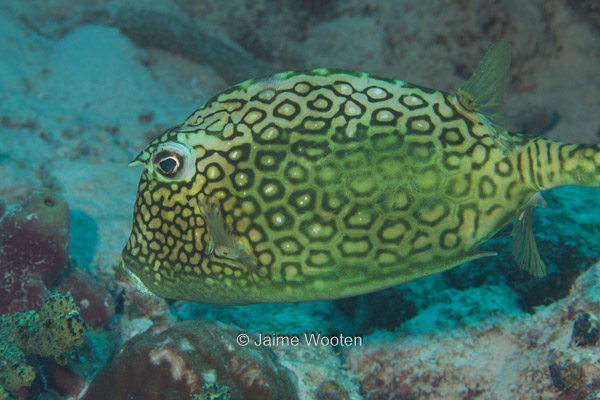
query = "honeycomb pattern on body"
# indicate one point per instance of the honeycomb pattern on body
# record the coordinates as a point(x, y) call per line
point(330, 181)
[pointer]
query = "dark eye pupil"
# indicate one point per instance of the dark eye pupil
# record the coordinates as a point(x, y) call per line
point(168, 165)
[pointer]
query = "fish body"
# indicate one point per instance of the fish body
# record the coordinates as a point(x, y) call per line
point(324, 184)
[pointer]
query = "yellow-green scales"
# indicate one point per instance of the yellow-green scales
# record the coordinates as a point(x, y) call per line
point(323, 184)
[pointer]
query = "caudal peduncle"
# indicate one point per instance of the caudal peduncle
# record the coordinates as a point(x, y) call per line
point(547, 164)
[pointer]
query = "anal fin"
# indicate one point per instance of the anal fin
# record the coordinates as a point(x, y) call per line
point(524, 248)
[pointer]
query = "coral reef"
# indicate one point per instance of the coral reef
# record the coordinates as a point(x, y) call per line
point(95, 303)
point(70, 97)
point(498, 358)
point(175, 360)
point(34, 261)
point(55, 331)
point(34, 240)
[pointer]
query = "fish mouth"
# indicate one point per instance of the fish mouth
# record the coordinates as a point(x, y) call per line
point(128, 279)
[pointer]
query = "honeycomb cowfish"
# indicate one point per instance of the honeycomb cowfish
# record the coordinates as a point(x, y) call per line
point(323, 184)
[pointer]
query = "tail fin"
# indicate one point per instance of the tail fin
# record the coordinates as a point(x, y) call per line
point(553, 164)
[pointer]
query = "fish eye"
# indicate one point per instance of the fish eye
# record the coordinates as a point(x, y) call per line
point(173, 161)
point(168, 163)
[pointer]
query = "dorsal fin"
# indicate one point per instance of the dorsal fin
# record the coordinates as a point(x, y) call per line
point(484, 91)
point(524, 249)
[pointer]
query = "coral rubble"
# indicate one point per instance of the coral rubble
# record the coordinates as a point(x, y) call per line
point(55, 331)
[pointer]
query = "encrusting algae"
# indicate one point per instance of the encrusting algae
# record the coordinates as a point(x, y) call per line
point(55, 331)
point(323, 184)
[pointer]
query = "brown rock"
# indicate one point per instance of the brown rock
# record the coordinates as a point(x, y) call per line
point(175, 361)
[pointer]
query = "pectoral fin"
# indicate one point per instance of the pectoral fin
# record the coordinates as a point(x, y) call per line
point(222, 243)
point(524, 248)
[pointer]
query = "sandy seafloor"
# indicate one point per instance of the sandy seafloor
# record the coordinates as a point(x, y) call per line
point(79, 98)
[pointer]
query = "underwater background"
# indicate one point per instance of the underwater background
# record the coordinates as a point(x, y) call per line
point(85, 85)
